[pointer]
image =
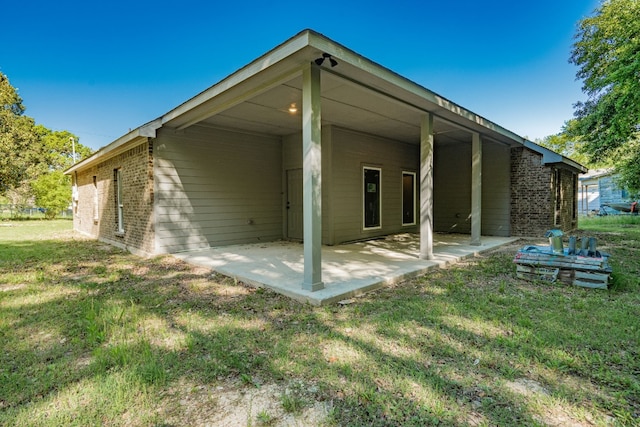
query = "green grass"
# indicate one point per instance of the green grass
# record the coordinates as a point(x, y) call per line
point(615, 223)
point(91, 335)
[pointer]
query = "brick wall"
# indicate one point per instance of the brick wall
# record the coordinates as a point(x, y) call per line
point(542, 196)
point(84, 202)
point(531, 195)
point(566, 188)
point(136, 171)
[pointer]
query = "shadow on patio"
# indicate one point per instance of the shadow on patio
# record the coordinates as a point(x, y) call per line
point(347, 269)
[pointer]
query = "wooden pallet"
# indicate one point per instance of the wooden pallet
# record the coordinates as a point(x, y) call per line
point(539, 263)
point(529, 272)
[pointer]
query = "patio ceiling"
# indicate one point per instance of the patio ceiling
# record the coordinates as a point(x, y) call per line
point(344, 104)
point(356, 94)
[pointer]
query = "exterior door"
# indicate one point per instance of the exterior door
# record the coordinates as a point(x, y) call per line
point(294, 204)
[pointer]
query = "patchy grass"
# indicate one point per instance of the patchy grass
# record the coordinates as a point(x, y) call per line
point(92, 335)
point(612, 223)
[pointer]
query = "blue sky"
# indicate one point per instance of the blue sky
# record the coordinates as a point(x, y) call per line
point(101, 68)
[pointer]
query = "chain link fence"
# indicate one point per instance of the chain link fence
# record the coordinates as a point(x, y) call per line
point(31, 212)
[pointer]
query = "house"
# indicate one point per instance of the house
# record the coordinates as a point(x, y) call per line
point(316, 143)
point(599, 188)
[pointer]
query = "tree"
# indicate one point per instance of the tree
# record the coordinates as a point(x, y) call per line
point(52, 192)
point(20, 149)
point(607, 52)
point(30, 153)
point(567, 145)
point(58, 148)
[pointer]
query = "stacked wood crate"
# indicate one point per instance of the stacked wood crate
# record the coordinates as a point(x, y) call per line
point(590, 270)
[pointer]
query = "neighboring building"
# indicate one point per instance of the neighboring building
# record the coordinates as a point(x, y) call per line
point(311, 123)
point(600, 187)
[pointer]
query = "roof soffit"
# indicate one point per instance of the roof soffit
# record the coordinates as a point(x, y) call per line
point(286, 61)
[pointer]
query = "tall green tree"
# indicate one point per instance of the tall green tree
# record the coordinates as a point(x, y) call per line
point(32, 157)
point(52, 192)
point(20, 147)
point(58, 148)
point(567, 145)
point(607, 53)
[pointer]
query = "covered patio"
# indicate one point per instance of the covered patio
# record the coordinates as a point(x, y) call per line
point(348, 269)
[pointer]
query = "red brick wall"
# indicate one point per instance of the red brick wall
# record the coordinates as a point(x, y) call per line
point(136, 165)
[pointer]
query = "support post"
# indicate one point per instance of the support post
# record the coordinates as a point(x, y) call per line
point(476, 189)
point(426, 187)
point(312, 183)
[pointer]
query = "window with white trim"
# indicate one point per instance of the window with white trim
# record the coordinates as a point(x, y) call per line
point(372, 206)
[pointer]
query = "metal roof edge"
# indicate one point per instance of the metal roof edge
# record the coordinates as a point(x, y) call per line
point(310, 38)
point(355, 59)
point(274, 55)
point(550, 156)
point(148, 130)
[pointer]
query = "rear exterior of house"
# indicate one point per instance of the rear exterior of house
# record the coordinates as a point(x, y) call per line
point(232, 167)
point(207, 188)
point(114, 200)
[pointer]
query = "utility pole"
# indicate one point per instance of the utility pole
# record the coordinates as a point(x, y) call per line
point(73, 148)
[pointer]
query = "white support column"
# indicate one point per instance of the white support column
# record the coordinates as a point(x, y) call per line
point(476, 188)
point(426, 187)
point(311, 173)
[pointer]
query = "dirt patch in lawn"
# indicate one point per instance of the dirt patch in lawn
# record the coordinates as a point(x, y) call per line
point(237, 404)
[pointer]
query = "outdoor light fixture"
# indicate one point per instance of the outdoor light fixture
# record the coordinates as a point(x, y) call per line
point(324, 56)
point(293, 108)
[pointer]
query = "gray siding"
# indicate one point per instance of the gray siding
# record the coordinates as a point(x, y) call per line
point(215, 188)
point(292, 159)
point(350, 152)
point(610, 191)
point(344, 153)
point(452, 188)
point(496, 189)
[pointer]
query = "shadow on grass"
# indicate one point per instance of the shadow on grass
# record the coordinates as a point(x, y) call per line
point(437, 350)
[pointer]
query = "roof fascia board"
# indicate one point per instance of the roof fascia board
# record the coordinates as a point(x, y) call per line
point(243, 96)
point(406, 104)
point(550, 157)
point(289, 47)
point(136, 136)
point(340, 52)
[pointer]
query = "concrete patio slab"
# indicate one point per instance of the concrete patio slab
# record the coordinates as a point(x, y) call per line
point(347, 270)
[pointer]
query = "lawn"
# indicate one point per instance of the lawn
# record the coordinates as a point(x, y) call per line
point(92, 335)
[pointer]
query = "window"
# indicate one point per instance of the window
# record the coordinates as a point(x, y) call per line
point(371, 197)
point(408, 198)
point(117, 178)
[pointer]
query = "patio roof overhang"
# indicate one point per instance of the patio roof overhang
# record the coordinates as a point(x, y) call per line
point(357, 94)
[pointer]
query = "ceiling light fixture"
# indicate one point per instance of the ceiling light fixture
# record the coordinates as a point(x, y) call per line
point(324, 56)
point(293, 108)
